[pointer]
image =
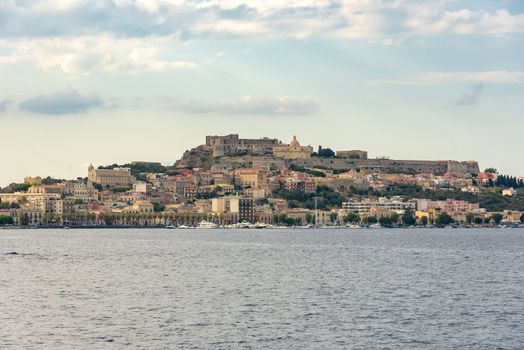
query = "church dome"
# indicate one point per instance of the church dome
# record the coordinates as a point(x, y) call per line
point(294, 142)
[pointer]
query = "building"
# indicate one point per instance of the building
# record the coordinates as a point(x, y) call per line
point(368, 205)
point(220, 205)
point(449, 206)
point(79, 190)
point(509, 192)
point(110, 177)
point(141, 207)
point(37, 180)
point(293, 150)
point(353, 154)
point(254, 178)
point(142, 187)
point(245, 207)
point(233, 145)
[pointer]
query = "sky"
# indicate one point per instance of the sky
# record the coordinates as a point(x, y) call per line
point(114, 81)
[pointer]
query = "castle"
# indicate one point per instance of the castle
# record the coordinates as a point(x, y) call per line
point(230, 152)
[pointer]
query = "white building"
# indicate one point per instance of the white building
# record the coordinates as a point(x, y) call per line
point(387, 204)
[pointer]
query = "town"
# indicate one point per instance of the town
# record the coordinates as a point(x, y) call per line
point(232, 182)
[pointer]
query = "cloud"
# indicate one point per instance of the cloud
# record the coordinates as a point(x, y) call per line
point(81, 55)
point(470, 98)
point(433, 78)
point(254, 105)
point(290, 18)
point(4, 104)
point(68, 101)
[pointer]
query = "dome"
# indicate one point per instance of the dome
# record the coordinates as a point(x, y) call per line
point(294, 142)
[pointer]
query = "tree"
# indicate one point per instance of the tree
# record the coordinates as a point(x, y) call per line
point(469, 218)
point(424, 220)
point(158, 207)
point(325, 152)
point(478, 221)
point(371, 220)
point(408, 218)
point(333, 217)
point(491, 170)
point(6, 220)
point(309, 218)
point(444, 219)
point(386, 221)
point(497, 218)
point(522, 218)
point(352, 217)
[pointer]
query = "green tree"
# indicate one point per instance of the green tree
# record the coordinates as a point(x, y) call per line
point(469, 218)
point(394, 217)
point(333, 217)
point(491, 170)
point(444, 219)
point(325, 152)
point(522, 218)
point(497, 218)
point(6, 220)
point(352, 217)
point(371, 220)
point(424, 220)
point(386, 221)
point(408, 218)
point(478, 221)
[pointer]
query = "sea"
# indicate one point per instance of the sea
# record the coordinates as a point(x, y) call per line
point(262, 289)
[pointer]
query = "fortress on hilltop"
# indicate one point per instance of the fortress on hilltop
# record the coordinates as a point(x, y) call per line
point(232, 152)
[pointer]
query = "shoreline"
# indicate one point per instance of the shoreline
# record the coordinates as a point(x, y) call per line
point(21, 228)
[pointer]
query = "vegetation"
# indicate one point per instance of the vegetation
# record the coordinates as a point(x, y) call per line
point(5, 205)
point(283, 219)
point(496, 202)
point(15, 187)
point(6, 220)
point(444, 219)
point(508, 181)
point(497, 218)
point(311, 172)
point(140, 168)
point(158, 207)
point(325, 152)
point(408, 218)
point(121, 189)
point(352, 217)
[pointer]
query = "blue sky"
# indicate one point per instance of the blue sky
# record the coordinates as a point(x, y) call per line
point(122, 80)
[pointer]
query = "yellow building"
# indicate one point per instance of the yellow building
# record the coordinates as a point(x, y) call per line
point(293, 150)
point(140, 207)
point(110, 177)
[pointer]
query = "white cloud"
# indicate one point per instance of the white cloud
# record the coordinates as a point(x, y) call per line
point(279, 105)
point(81, 55)
point(290, 18)
point(432, 78)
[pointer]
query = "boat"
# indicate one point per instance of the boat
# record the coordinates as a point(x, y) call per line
point(260, 225)
point(170, 227)
point(207, 225)
point(377, 225)
point(354, 226)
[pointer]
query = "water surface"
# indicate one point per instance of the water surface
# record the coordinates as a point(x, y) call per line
point(262, 289)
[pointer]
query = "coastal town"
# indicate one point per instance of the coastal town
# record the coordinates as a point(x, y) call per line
point(233, 182)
